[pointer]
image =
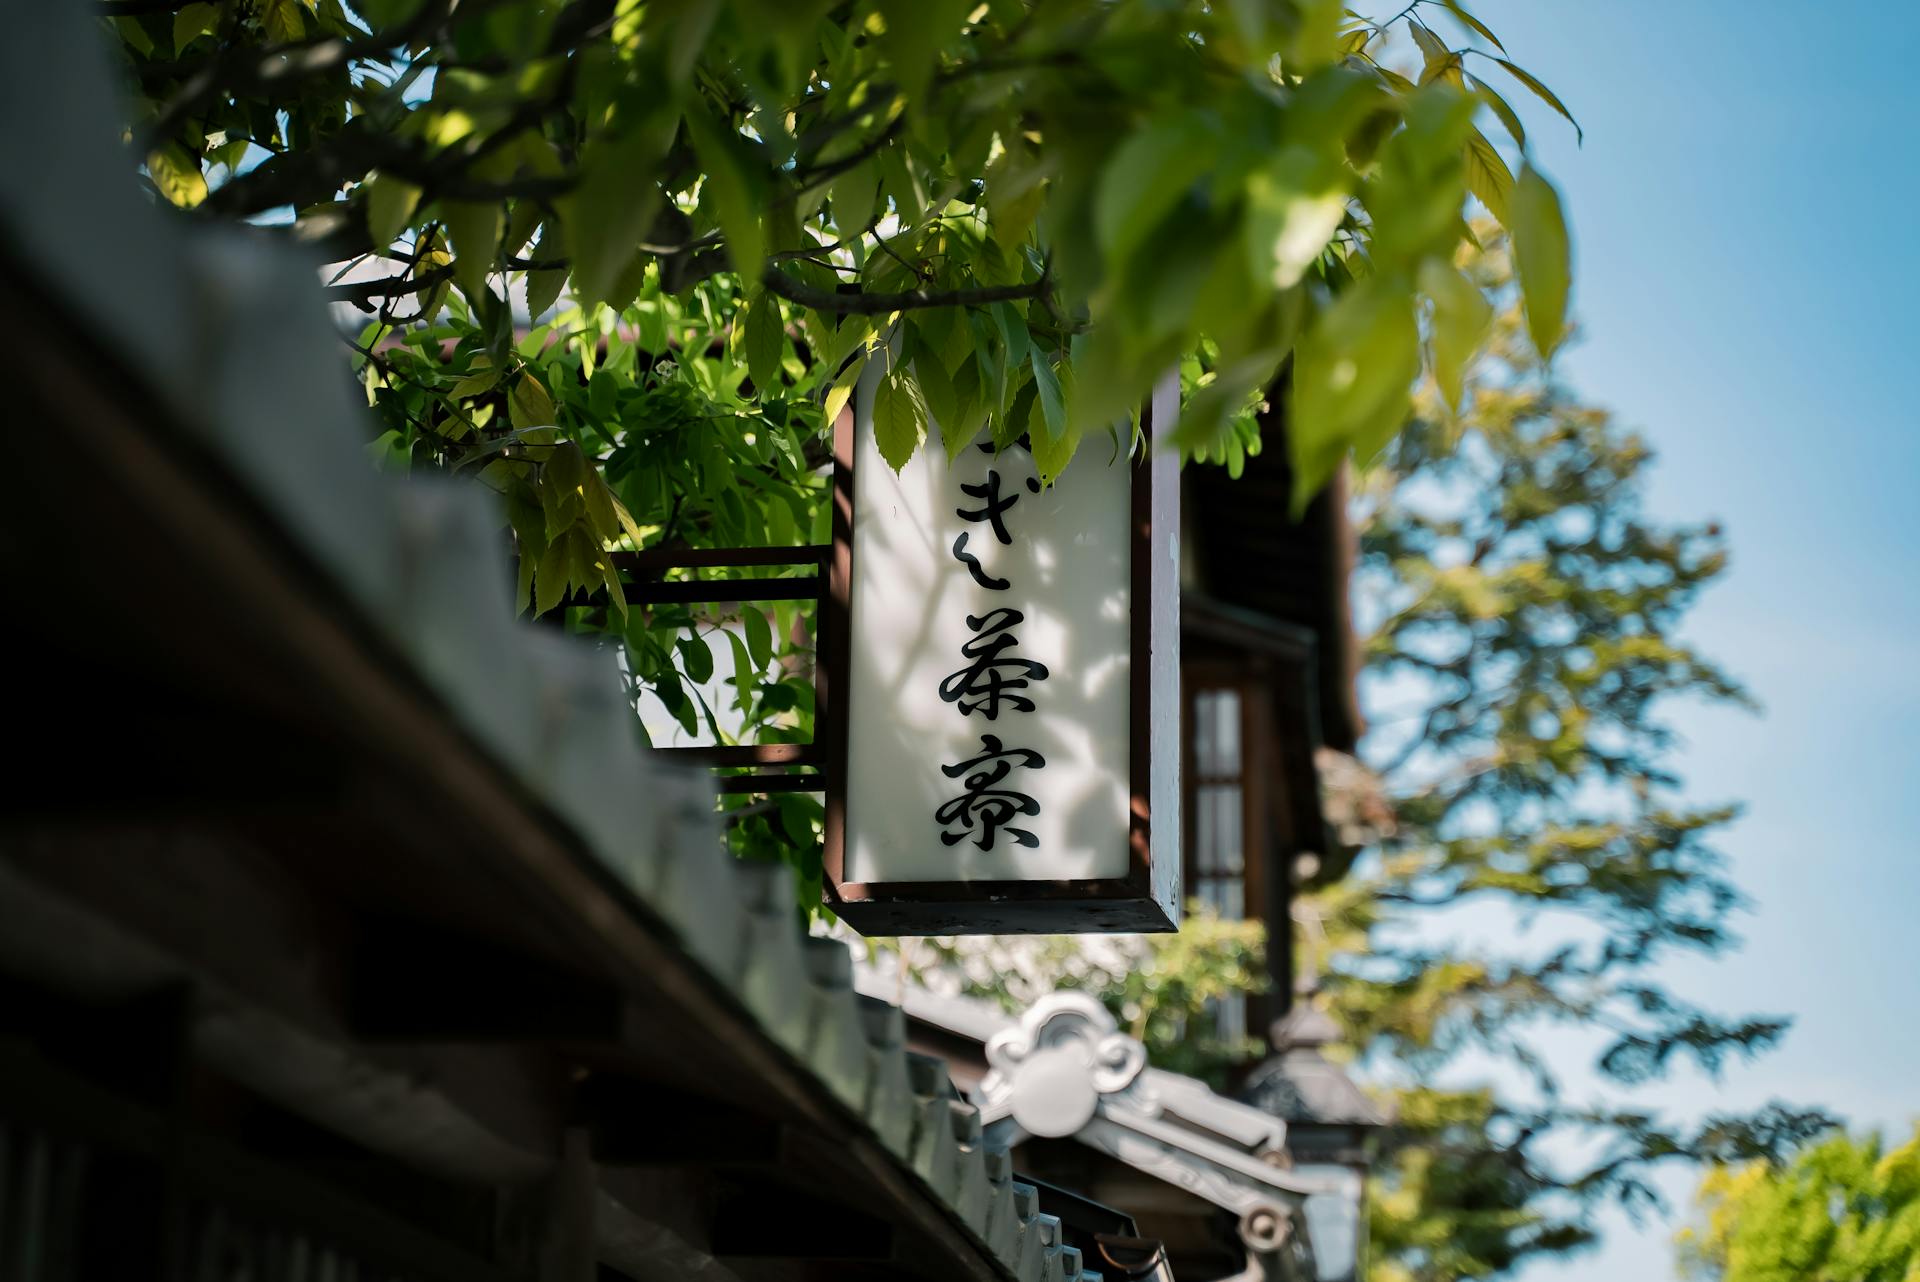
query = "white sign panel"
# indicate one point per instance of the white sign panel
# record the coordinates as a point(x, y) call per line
point(988, 697)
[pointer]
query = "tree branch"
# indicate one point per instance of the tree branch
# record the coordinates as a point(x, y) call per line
point(864, 304)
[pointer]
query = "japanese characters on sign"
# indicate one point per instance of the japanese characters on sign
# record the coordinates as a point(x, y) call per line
point(989, 693)
point(992, 679)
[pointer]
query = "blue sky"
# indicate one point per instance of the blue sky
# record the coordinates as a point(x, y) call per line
point(1745, 212)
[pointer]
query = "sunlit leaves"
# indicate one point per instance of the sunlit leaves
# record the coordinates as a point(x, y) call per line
point(732, 183)
point(529, 405)
point(474, 228)
point(1488, 178)
point(765, 341)
point(899, 416)
point(192, 22)
point(1053, 438)
point(1543, 258)
point(284, 21)
point(177, 176)
point(1146, 177)
point(1545, 94)
point(842, 389)
point(577, 218)
point(1500, 108)
point(1294, 205)
point(609, 213)
point(855, 194)
point(1474, 24)
point(1840, 1208)
point(1350, 379)
point(1461, 317)
point(391, 203)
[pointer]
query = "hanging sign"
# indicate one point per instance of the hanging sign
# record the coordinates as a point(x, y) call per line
point(1004, 677)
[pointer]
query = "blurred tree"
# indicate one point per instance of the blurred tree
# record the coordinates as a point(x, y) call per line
point(624, 261)
point(1525, 630)
point(1523, 620)
point(1840, 1209)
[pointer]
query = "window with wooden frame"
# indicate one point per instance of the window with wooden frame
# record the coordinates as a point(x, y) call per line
point(1220, 823)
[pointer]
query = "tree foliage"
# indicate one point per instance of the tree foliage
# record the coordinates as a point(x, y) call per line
point(1100, 187)
point(623, 261)
point(1524, 639)
point(1842, 1208)
point(1523, 621)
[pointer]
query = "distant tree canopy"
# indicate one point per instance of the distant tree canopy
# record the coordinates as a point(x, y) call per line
point(1522, 617)
point(623, 262)
point(1524, 640)
point(1841, 1209)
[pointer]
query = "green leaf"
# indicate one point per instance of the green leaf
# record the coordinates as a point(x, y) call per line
point(1147, 176)
point(796, 817)
point(177, 175)
point(854, 195)
point(1352, 372)
point(672, 694)
point(913, 35)
point(135, 35)
point(1461, 318)
point(759, 637)
point(562, 488)
point(1484, 92)
point(1432, 47)
point(616, 592)
point(528, 405)
point(550, 581)
point(1459, 11)
point(599, 503)
point(729, 192)
point(936, 389)
point(696, 657)
point(1293, 208)
point(970, 409)
point(543, 288)
point(1047, 391)
point(743, 682)
point(1543, 258)
point(284, 21)
point(474, 227)
point(842, 389)
point(1013, 334)
point(607, 215)
point(901, 184)
point(899, 417)
point(523, 578)
point(1050, 435)
point(626, 522)
point(765, 339)
point(1489, 178)
point(390, 205)
point(475, 384)
point(193, 22)
point(1545, 95)
point(1015, 192)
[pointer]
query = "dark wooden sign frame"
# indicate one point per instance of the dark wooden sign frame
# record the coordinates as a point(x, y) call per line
point(1146, 897)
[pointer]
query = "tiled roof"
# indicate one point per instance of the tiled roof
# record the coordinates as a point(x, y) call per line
point(1165, 1124)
